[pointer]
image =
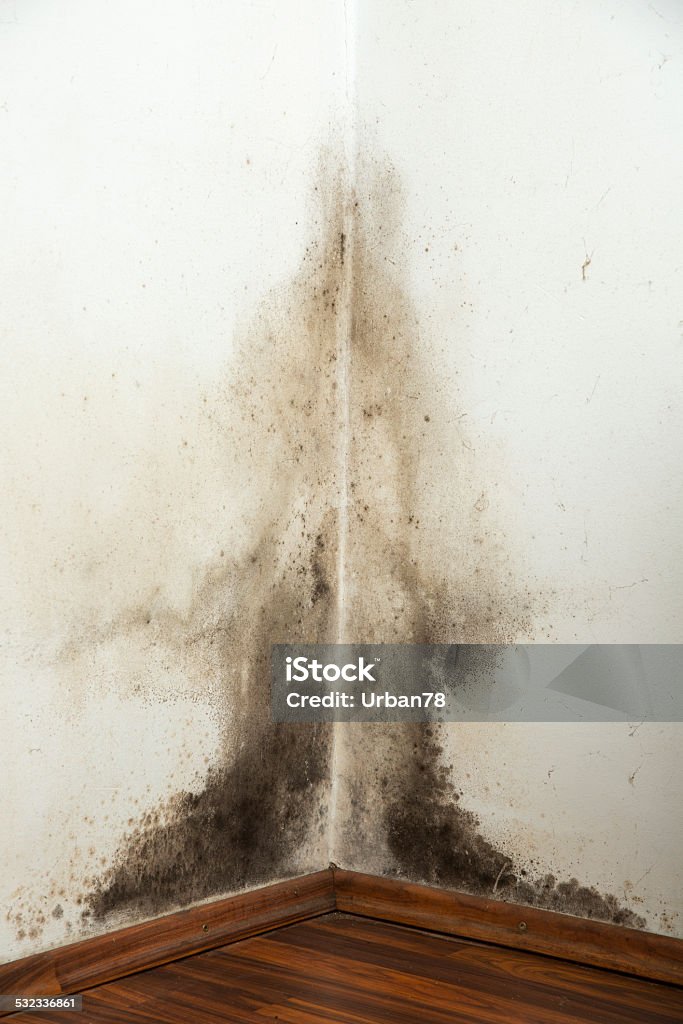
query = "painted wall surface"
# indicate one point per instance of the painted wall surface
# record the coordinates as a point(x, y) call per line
point(330, 323)
point(157, 164)
point(538, 150)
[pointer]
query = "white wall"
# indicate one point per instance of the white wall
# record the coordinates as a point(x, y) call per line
point(530, 138)
point(157, 161)
point(156, 165)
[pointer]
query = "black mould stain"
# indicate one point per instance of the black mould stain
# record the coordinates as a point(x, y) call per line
point(240, 830)
point(348, 436)
point(262, 811)
point(425, 562)
point(434, 840)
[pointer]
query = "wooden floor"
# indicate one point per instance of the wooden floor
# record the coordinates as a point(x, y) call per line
point(356, 971)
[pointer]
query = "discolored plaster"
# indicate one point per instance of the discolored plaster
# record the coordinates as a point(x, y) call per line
point(426, 562)
point(366, 519)
point(411, 813)
point(263, 806)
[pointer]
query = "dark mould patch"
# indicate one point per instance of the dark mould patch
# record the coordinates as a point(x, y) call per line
point(323, 417)
point(321, 585)
point(241, 830)
point(454, 580)
point(433, 839)
point(267, 796)
point(262, 811)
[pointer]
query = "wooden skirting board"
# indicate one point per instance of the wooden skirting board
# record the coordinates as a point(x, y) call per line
point(629, 950)
point(82, 965)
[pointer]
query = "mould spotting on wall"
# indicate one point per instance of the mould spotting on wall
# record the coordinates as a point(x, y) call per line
point(264, 804)
point(426, 562)
point(366, 523)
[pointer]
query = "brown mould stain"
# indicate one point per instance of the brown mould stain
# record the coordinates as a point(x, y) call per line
point(421, 566)
point(350, 446)
point(266, 798)
point(434, 840)
point(411, 466)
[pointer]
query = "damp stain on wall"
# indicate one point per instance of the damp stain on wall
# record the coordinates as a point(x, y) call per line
point(262, 811)
point(426, 562)
point(432, 839)
point(364, 519)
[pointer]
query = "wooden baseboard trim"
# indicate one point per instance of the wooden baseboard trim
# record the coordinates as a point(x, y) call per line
point(71, 969)
point(594, 943)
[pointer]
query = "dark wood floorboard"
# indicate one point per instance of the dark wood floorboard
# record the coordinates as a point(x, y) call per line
point(340, 969)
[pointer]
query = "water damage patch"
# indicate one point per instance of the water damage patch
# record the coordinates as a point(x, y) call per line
point(425, 562)
point(434, 840)
point(262, 811)
point(346, 436)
